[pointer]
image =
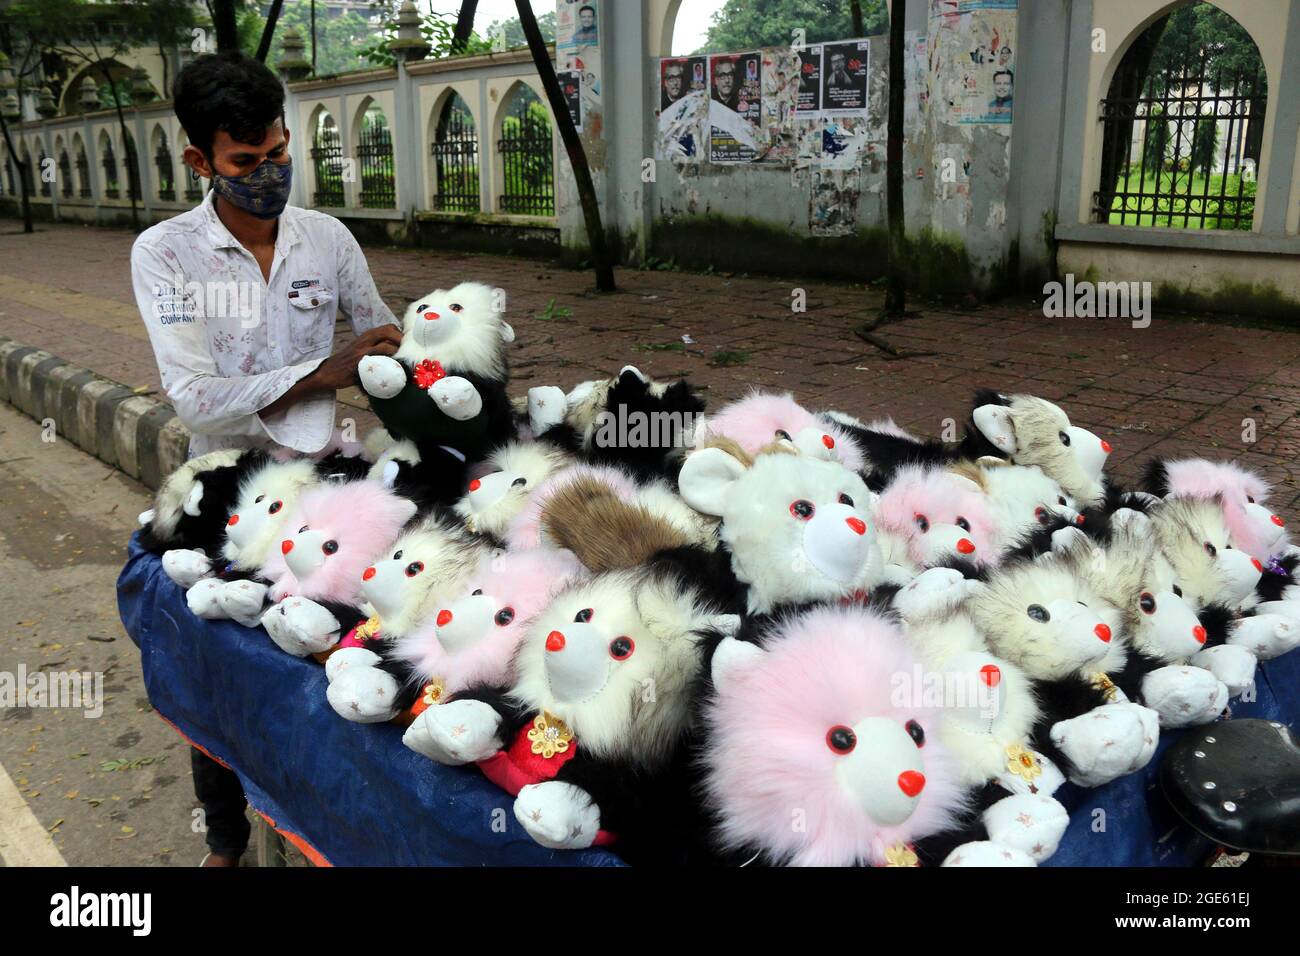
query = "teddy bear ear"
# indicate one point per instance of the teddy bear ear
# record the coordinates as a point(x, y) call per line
point(731, 657)
point(507, 333)
point(964, 482)
point(995, 424)
point(707, 479)
point(194, 500)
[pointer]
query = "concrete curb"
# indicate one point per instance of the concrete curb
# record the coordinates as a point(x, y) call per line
point(137, 434)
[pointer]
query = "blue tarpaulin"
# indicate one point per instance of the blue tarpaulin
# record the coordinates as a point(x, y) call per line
point(359, 797)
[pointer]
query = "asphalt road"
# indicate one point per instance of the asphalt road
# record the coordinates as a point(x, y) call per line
point(112, 789)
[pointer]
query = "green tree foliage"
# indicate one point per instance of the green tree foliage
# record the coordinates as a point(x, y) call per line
point(1204, 31)
point(746, 24)
point(339, 40)
point(515, 33)
point(438, 30)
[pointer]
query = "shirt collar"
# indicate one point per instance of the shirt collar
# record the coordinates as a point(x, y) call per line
point(221, 237)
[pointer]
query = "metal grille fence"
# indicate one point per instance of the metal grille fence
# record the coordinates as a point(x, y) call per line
point(375, 156)
point(327, 158)
point(166, 177)
point(455, 156)
point(83, 174)
point(65, 175)
point(526, 160)
point(111, 190)
point(45, 180)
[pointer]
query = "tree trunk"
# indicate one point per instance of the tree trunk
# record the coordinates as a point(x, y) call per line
point(132, 153)
point(855, 11)
point(223, 20)
point(896, 287)
point(26, 201)
point(572, 145)
point(464, 26)
point(268, 31)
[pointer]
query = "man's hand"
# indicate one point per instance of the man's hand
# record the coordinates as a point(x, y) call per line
point(340, 369)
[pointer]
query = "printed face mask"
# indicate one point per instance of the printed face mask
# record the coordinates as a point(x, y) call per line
point(262, 193)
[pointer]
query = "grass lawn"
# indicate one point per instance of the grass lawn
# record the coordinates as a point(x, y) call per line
point(1183, 211)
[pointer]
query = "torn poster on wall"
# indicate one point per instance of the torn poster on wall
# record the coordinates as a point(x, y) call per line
point(571, 87)
point(781, 84)
point(845, 67)
point(735, 108)
point(680, 129)
point(833, 208)
point(972, 60)
point(575, 25)
point(681, 75)
point(810, 80)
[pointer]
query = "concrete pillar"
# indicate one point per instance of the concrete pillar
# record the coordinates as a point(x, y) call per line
point(1286, 127)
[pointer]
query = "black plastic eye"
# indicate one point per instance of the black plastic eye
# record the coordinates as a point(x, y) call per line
point(963, 523)
point(1250, 499)
point(1041, 514)
point(258, 499)
point(1147, 602)
point(518, 482)
point(422, 307)
point(923, 523)
point(505, 616)
point(583, 616)
point(782, 433)
point(330, 547)
point(1211, 550)
point(397, 556)
point(414, 568)
point(1038, 613)
point(302, 529)
point(1065, 439)
point(916, 732)
point(476, 592)
point(275, 507)
point(455, 307)
point(621, 648)
point(1060, 499)
point(801, 509)
point(1177, 590)
point(846, 500)
point(841, 739)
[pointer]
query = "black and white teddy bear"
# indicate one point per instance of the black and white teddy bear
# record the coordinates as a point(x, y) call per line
point(446, 386)
point(192, 504)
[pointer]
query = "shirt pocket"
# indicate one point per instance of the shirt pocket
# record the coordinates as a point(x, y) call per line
point(311, 319)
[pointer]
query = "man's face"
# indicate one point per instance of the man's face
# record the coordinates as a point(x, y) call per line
point(231, 158)
point(587, 19)
point(724, 77)
point(1002, 87)
point(837, 63)
point(673, 82)
point(1004, 57)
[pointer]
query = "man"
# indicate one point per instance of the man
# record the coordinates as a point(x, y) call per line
point(239, 297)
point(674, 85)
point(724, 83)
point(1002, 82)
point(586, 32)
point(840, 76)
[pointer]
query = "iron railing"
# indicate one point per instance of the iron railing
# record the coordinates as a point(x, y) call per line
point(327, 158)
point(111, 190)
point(528, 173)
point(65, 175)
point(375, 157)
point(455, 160)
point(83, 175)
point(166, 176)
point(45, 180)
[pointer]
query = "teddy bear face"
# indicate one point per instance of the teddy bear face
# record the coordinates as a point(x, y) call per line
point(1194, 540)
point(1252, 526)
point(491, 501)
point(190, 508)
point(1022, 497)
point(811, 718)
point(424, 566)
point(798, 528)
point(761, 418)
point(613, 656)
point(939, 514)
point(461, 327)
point(266, 499)
point(1042, 616)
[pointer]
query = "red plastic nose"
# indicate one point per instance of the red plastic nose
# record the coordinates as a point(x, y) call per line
point(991, 675)
point(286, 547)
point(1079, 519)
point(475, 485)
point(430, 315)
point(555, 641)
point(444, 618)
point(966, 546)
point(367, 574)
point(911, 782)
point(857, 524)
point(1277, 520)
point(1258, 567)
point(234, 519)
point(828, 441)
point(1102, 631)
point(1198, 632)
point(1105, 446)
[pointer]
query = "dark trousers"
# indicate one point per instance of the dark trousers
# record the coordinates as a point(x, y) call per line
point(222, 796)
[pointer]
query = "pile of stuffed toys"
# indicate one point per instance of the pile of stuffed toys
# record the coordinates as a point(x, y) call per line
point(783, 636)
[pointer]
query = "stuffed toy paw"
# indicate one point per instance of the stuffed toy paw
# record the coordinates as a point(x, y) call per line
point(1230, 663)
point(381, 376)
point(455, 733)
point(186, 566)
point(987, 853)
point(300, 626)
point(1184, 696)
point(363, 694)
point(558, 815)
point(1107, 742)
point(1028, 822)
point(457, 397)
point(243, 601)
point(1266, 635)
point(1045, 782)
point(546, 407)
point(347, 657)
point(204, 599)
point(931, 592)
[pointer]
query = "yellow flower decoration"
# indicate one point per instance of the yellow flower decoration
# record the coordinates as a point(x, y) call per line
point(901, 855)
point(367, 630)
point(1023, 763)
point(549, 735)
point(433, 692)
point(1105, 685)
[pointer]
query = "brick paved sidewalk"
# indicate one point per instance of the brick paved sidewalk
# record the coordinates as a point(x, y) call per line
point(1180, 386)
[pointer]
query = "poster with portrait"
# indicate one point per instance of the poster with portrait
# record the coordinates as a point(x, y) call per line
point(576, 25)
point(680, 75)
point(845, 68)
point(735, 107)
point(571, 87)
point(810, 80)
point(973, 47)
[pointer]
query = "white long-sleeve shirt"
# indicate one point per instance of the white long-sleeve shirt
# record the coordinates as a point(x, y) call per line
point(228, 342)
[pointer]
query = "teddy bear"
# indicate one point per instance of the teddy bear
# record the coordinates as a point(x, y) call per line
point(761, 418)
point(192, 504)
point(511, 474)
point(926, 516)
point(446, 385)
